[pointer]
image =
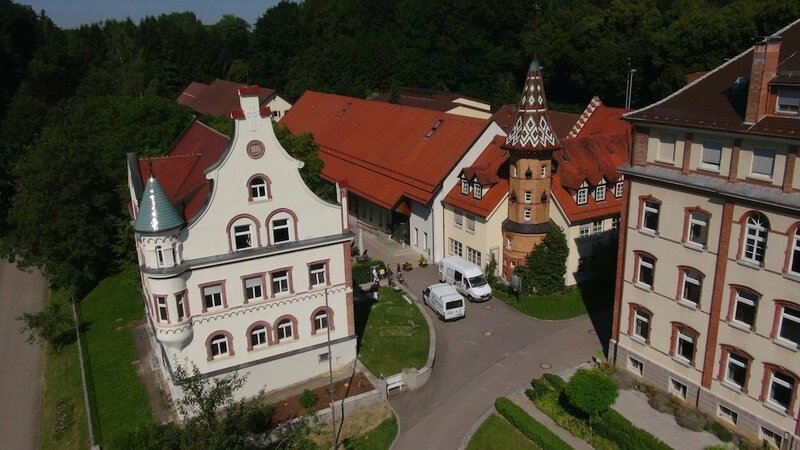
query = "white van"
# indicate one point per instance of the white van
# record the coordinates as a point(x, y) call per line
point(445, 300)
point(466, 277)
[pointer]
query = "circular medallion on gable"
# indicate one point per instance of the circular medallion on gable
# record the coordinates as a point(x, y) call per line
point(255, 149)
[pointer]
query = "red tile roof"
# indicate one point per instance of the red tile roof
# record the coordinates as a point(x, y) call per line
point(181, 171)
point(708, 102)
point(489, 164)
point(218, 98)
point(561, 122)
point(383, 150)
point(430, 99)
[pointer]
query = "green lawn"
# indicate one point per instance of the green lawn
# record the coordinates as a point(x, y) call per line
point(497, 434)
point(393, 334)
point(119, 398)
point(379, 438)
point(63, 412)
point(576, 301)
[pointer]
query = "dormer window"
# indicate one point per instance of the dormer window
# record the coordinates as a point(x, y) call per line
point(600, 193)
point(477, 191)
point(788, 101)
point(618, 189)
point(465, 187)
point(583, 194)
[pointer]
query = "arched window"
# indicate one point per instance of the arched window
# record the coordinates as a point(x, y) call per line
point(684, 342)
point(793, 263)
point(691, 286)
point(258, 336)
point(258, 189)
point(321, 320)
point(755, 238)
point(282, 225)
point(243, 232)
point(219, 344)
point(285, 329)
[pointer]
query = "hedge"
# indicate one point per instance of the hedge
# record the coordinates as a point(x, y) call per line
point(556, 381)
point(362, 272)
point(528, 426)
point(621, 431)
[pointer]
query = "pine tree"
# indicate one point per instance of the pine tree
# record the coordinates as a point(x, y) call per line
point(545, 266)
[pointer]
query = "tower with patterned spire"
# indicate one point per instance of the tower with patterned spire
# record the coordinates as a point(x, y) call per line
point(530, 145)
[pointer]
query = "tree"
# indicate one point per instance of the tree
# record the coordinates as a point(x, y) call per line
point(51, 325)
point(546, 265)
point(591, 391)
point(490, 270)
point(305, 149)
point(202, 397)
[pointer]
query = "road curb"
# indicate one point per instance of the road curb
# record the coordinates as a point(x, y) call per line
point(474, 428)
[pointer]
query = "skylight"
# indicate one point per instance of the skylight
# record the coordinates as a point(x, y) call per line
point(434, 128)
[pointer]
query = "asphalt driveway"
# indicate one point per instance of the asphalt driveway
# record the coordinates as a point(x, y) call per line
point(490, 353)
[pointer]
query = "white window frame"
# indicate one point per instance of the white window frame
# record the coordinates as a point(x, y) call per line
point(253, 288)
point(583, 196)
point(794, 258)
point(218, 344)
point(260, 335)
point(709, 162)
point(321, 321)
point(650, 207)
point(615, 223)
point(258, 189)
point(161, 305)
point(180, 305)
point(618, 189)
point(543, 172)
point(763, 152)
point(464, 186)
point(242, 231)
point(691, 277)
point(697, 219)
point(477, 191)
point(528, 197)
point(455, 247)
point(678, 389)
point(527, 215)
point(281, 280)
point(772, 437)
point(738, 361)
point(775, 378)
point(641, 322)
point(280, 225)
point(160, 256)
point(473, 256)
point(470, 223)
point(755, 239)
point(600, 193)
point(792, 106)
point(727, 414)
point(584, 230)
point(285, 329)
point(685, 337)
point(214, 294)
point(316, 274)
point(458, 218)
point(636, 366)
point(784, 317)
point(741, 299)
point(646, 262)
point(597, 227)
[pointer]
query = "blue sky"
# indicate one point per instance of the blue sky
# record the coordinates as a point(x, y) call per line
point(73, 13)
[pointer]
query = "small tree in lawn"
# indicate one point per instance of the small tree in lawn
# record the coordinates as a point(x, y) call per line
point(545, 266)
point(490, 269)
point(51, 325)
point(591, 392)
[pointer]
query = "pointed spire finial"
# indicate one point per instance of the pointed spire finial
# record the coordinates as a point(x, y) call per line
point(532, 131)
point(534, 67)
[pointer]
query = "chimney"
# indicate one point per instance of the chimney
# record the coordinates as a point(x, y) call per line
point(765, 66)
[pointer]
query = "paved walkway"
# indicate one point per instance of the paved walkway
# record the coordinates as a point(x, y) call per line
point(633, 405)
point(522, 400)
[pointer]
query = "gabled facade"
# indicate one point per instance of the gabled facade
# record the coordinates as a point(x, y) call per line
point(709, 260)
point(221, 96)
point(398, 161)
point(243, 268)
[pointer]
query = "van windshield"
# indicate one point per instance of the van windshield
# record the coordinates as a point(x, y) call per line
point(454, 304)
point(477, 281)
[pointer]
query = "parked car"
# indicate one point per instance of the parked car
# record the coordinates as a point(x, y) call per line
point(467, 278)
point(445, 301)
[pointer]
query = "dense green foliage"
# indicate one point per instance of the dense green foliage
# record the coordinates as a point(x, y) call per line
point(613, 426)
point(590, 392)
point(529, 426)
point(495, 433)
point(52, 325)
point(546, 265)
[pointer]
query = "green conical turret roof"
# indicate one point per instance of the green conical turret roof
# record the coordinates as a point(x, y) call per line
point(156, 212)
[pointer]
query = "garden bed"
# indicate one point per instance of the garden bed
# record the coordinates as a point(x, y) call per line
point(496, 433)
point(290, 408)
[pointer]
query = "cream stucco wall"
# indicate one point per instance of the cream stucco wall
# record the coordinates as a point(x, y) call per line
point(487, 237)
point(278, 104)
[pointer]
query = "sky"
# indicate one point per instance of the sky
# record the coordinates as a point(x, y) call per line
point(73, 13)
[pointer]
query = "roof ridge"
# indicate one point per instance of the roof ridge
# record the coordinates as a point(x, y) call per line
point(168, 156)
point(587, 113)
point(707, 74)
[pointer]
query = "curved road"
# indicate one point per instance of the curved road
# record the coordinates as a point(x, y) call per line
point(490, 353)
point(20, 363)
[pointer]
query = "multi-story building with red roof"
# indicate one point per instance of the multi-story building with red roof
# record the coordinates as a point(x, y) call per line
point(709, 259)
point(221, 96)
point(243, 268)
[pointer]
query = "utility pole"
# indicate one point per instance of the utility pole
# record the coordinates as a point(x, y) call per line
point(629, 85)
point(330, 372)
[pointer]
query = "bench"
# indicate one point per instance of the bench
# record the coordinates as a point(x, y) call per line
point(394, 382)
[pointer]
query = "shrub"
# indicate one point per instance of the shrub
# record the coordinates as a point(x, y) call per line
point(591, 392)
point(719, 430)
point(623, 380)
point(539, 388)
point(554, 380)
point(691, 418)
point(528, 426)
point(308, 399)
point(621, 431)
point(407, 266)
point(662, 402)
point(362, 272)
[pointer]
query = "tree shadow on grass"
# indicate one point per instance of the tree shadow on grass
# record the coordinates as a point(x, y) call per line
point(362, 306)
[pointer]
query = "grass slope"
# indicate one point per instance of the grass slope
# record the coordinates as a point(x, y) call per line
point(395, 335)
point(495, 433)
point(575, 301)
point(380, 438)
point(120, 399)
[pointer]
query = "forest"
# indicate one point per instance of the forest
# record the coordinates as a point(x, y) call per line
point(74, 101)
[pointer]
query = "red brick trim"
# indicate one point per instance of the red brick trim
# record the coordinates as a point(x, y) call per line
point(231, 351)
point(265, 111)
point(632, 309)
point(348, 263)
point(313, 316)
point(351, 322)
point(687, 152)
point(641, 138)
point(620, 274)
point(715, 309)
point(268, 223)
point(726, 350)
point(776, 317)
point(788, 172)
point(221, 284)
point(267, 181)
point(743, 232)
point(267, 327)
point(295, 327)
point(244, 278)
point(769, 368)
point(288, 271)
point(686, 215)
point(327, 264)
point(230, 225)
point(733, 169)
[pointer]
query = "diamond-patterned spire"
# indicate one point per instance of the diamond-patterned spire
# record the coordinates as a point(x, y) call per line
point(156, 212)
point(532, 130)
